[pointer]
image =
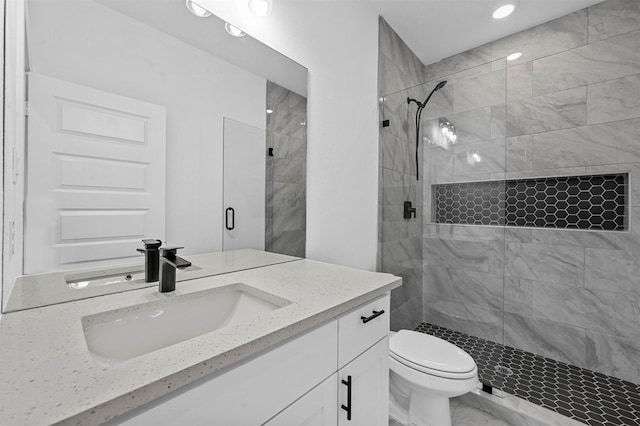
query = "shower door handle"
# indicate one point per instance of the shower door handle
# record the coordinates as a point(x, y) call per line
point(233, 219)
point(347, 407)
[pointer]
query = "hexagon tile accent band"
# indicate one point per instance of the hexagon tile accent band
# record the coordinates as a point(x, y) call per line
point(593, 202)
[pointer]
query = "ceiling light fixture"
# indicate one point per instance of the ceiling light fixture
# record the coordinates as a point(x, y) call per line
point(269, 111)
point(514, 56)
point(234, 31)
point(197, 10)
point(504, 11)
point(260, 7)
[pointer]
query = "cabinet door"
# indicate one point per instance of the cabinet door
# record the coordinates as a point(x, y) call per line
point(316, 408)
point(367, 378)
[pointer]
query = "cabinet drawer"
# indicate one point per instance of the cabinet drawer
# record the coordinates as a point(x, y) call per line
point(355, 335)
point(251, 393)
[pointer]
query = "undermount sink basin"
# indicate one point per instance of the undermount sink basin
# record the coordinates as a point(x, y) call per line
point(125, 333)
point(133, 276)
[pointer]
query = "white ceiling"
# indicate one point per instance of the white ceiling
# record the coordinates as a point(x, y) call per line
point(208, 34)
point(436, 29)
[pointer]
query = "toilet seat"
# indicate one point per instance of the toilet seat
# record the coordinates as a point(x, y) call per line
point(431, 355)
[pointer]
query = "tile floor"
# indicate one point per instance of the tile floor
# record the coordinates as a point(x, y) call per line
point(589, 397)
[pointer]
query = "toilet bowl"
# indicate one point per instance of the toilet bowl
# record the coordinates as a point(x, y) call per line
point(424, 372)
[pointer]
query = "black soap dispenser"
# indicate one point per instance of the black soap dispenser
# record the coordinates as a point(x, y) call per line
point(151, 260)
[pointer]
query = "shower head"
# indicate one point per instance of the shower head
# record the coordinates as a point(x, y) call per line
point(421, 105)
point(438, 87)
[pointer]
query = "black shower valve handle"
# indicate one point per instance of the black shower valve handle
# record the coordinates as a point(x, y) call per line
point(409, 211)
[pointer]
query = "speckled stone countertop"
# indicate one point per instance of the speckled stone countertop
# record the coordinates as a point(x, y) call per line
point(32, 291)
point(48, 375)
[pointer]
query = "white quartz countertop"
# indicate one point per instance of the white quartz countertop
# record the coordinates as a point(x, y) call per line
point(48, 375)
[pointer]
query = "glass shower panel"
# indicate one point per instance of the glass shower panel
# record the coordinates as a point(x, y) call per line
point(463, 139)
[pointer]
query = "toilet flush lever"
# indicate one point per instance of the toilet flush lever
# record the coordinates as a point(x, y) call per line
point(375, 315)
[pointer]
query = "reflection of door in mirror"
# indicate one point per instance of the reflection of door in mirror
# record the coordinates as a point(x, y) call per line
point(96, 176)
point(244, 186)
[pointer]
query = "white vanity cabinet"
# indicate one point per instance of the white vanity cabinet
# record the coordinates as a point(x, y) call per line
point(299, 382)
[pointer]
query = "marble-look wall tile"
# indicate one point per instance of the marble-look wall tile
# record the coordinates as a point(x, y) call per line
point(575, 238)
point(391, 78)
point(397, 154)
point(441, 102)
point(560, 171)
point(553, 264)
point(567, 32)
point(401, 115)
point(438, 164)
point(471, 287)
point(411, 286)
point(285, 146)
point(457, 77)
point(479, 157)
point(398, 187)
point(613, 17)
point(447, 231)
point(614, 100)
point(608, 143)
point(479, 92)
point(519, 153)
point(472, 126)
point(559, 110)
point(394, 225)
point(615, 356)
point(289, 194)
point(605, 60)
point(627, 309)
point(520, 82)
point(612, 270)
point(478, 256)
point(498, 121)
point(407, 316)
point(518, 235)
point(405, 253)
point(590, 309)
point(394, 48)
point(288, 170)
point(518, 296)
point(547, 338)
point(480, 321)
point(291, 243)
point(460, 62)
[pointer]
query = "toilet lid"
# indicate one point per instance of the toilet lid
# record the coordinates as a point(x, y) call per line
point(429, 352)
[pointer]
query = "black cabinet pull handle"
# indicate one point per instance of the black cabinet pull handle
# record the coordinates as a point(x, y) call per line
point(233, 218)
point(347, 407)
point(375, 315)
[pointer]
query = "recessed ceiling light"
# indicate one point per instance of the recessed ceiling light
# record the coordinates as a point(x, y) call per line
point(269, 111)
point(234, 31)
point(514, 56)
point(197, 10)
point(503, 11)
point(260, 7)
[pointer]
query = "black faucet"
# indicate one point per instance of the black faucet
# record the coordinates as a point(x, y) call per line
point(151, 260)
point(169, 262)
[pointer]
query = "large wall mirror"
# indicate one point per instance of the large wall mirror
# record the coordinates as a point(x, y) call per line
point(146, 121)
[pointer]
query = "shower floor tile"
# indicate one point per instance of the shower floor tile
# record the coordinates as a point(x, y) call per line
point(589, 397)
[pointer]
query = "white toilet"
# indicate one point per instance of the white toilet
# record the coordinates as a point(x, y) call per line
point(425, 372)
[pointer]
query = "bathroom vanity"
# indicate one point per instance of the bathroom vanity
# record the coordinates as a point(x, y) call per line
point(304, 343)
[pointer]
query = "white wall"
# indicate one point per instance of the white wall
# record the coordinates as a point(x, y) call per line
point(95, 46)
point(338, 42)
